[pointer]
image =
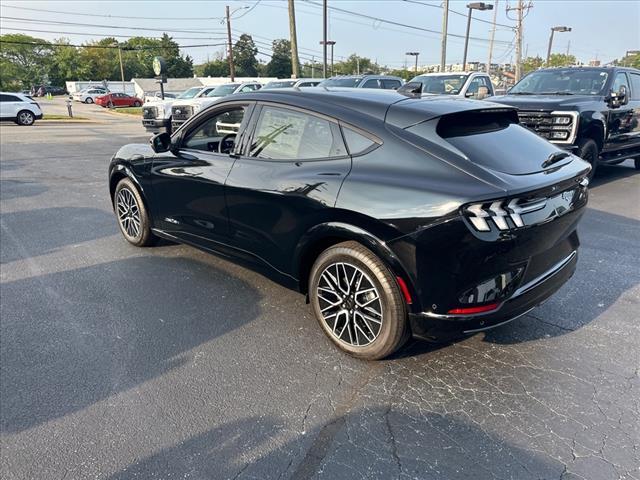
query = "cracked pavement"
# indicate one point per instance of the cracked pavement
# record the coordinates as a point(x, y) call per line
point(166, 363)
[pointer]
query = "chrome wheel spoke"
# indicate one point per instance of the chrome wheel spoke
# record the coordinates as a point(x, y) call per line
point(350, 304)
point(128, 213)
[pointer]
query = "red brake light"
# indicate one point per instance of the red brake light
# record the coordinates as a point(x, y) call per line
point(471, 310)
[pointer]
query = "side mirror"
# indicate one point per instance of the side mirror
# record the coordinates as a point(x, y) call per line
point(161, 142)
point(483, 92)
point(623, 96)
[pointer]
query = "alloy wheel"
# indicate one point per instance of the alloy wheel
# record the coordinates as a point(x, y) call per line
point(25, 118)
point(128, 213)
point(350, 304)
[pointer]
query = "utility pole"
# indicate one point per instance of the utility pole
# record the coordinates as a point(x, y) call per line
point(324, 38)
point(232, 70)
point(445, 22)
point(493, 34)
point(121, 69)
point(313, 66)
point(568, 46)
point(519, 16)
point(357, 65)
point(295, 62)
point(331, 43)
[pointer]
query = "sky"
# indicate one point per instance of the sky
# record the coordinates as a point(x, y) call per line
point(600, 29)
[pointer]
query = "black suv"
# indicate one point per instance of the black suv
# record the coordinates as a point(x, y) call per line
point(592, 111)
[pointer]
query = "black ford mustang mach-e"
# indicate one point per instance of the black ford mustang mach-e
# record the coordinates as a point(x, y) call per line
point(397, 216)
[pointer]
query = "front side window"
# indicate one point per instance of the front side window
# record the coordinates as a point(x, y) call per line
point(476, 84)
point(341, 82)
point(192, 92)
point(285, 134)
point(442, 84)
point(223, 90)
point(391, 84)
point(620, 81)
point(221, 127)
point(371, 83)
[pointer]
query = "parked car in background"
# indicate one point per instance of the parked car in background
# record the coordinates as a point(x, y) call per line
point(466, 84)
point(181, 111)
point(53, 90)
point(19, 108)
point(156, 116)
point(293, 83)
point(396, 215)
point(157, 96)
point(386, 82)
point(116, 99)
point(89, 95)
point(593, 112)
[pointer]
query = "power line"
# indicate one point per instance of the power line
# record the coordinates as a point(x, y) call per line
point(109, 16)
point(511, 27)
point(105, 35)
point(404, 25)
point(125, 48)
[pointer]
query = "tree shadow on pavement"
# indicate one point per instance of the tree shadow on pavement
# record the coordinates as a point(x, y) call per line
point(11, 189)
point(377, 443)
point(37, 232)
point(73, 338)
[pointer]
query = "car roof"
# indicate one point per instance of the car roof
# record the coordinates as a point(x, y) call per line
point(349, 103)
point(441, 74)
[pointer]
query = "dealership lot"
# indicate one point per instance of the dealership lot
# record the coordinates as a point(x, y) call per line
point(166, 362)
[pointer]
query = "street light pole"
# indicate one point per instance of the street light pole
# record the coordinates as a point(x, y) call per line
point(324, 39)
point(553, 30)
point(445, 22)
point(472, 6)
point(414, 54)
point(331, 43)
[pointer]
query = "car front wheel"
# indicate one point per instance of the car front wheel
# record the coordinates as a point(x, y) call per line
point(132, 215)
point(357, 301)
point(25, 117)
point(89, 100)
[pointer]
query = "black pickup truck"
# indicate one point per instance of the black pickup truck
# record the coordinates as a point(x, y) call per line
point(592, 111)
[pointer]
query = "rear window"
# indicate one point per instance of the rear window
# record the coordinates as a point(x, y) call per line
point(492, 139)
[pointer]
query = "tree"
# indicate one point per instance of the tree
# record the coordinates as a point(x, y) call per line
point(632, 60)
point(356, 64)
point(214, 68)
point(64, 62)
point(244, 57)
point(532, 63)
point(24, 61)
point(280, 64)
point(561, 60)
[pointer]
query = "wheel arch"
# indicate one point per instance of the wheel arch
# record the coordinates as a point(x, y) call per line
point(119, 172)
point(596, 130)
point(325, 235)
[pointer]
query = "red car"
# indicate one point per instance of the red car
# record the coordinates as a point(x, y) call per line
point(118, 100)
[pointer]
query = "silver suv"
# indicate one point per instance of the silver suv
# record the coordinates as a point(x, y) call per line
point(387, 82)
point(463, 84)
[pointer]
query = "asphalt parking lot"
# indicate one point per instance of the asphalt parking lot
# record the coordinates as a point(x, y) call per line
point(164, 363)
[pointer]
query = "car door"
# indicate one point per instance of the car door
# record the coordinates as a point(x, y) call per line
point(634, 105)
point(620, 123)
point(188, 184)
point(286, 181)
point(475, 84)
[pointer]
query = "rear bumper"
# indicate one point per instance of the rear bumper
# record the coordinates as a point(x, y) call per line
point(39, 116)
point(436, 327)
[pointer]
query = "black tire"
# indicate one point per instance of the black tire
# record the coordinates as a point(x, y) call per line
point(636, 162)
point(88, 100)
point(137, 104)
point(380, 339)
point(588, 151)
point(25, 118)
point(128, 205)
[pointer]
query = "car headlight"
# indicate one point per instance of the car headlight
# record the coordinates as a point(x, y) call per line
point(564, 126)
point(196, 108)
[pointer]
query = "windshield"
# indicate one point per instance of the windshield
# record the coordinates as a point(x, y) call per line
point(223, 90)
point(561, 82)
point(341, 82)
point(442, 84)
point(192, 92)
point(282, 84)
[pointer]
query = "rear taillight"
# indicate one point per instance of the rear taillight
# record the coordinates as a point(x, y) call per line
point(499, 212)
point(474, 310)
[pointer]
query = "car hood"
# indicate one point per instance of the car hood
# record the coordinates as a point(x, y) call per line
point(546, 102)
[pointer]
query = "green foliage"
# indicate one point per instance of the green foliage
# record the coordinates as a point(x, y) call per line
point(214, 68)
point(280, 64)
point(355, 64)
point(556, 60)
point(532, 63)
point(23, 65)
point(629, 61)
point(244, 57)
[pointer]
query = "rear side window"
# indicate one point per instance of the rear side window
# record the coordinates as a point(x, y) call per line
point(285, 134)
point(356, 142)
point(371, 83)
point(635, 85)
point(9, 98)
point(391, 84)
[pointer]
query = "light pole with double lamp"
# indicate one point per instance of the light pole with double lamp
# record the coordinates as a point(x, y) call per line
point(472, 6)
point(414, 54)
point(553, 30)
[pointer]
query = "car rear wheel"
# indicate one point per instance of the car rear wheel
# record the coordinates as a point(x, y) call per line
point(25, 117)
point(132, 215)
point(136, 104)
point(588, 151)
point(89, 100)
point(636, 162)
point(357, 301)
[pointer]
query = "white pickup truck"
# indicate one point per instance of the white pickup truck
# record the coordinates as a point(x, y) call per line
point(183, 110)
point(156, 116)
point(475, 85)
